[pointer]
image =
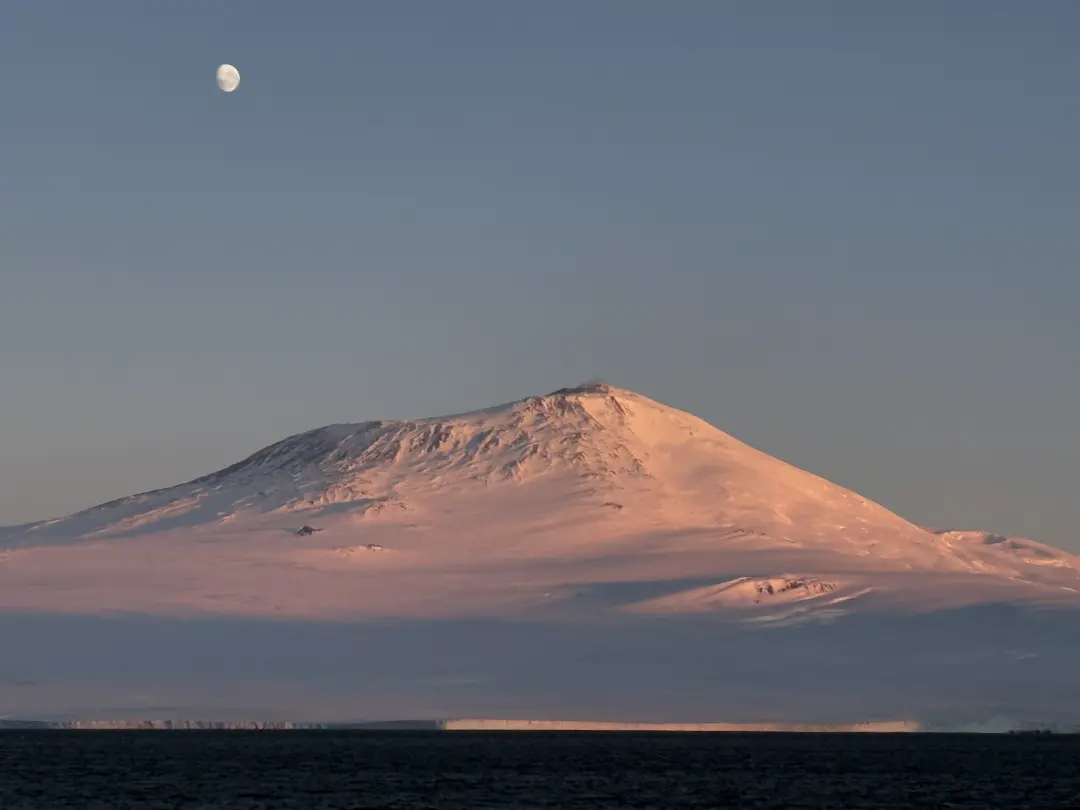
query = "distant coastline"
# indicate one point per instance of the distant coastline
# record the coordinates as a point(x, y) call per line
point(482, 725)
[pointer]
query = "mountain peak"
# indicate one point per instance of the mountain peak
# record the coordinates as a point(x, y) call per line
point(595, 387)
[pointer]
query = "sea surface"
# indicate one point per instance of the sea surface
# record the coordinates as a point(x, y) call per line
point(320, 770)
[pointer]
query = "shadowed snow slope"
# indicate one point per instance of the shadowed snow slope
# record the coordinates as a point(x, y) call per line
point(648, 565)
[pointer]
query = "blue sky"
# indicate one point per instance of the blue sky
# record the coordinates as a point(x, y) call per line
point(844, 232)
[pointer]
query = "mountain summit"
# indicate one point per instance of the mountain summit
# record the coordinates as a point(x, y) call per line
point(591, 499)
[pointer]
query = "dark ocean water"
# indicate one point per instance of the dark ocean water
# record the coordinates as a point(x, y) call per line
point(459, 771)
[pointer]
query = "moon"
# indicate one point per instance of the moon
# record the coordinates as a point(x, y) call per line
point(228, 78)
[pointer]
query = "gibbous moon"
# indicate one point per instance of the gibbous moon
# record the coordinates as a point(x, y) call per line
point(228, 78)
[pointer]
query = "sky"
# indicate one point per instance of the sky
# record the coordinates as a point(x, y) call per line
point(843, 232)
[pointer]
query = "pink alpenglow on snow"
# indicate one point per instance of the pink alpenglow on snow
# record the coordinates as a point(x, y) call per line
point(586, 557)
point(587, 501)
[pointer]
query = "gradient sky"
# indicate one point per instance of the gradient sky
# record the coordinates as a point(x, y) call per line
point(844, 232)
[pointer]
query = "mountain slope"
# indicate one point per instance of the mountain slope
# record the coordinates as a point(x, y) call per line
point(586, 502)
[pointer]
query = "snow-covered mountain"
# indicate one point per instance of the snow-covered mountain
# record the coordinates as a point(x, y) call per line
point(592, 509)
point(587, 499)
